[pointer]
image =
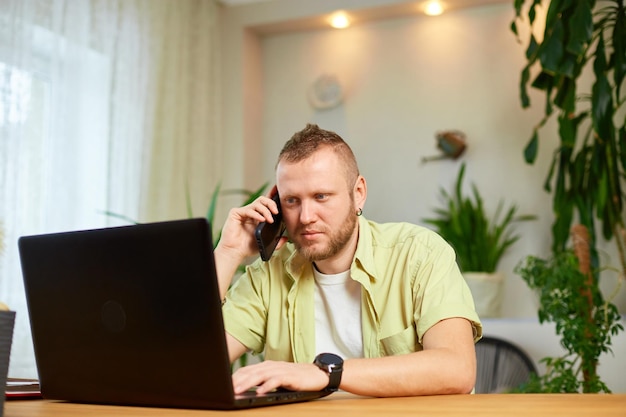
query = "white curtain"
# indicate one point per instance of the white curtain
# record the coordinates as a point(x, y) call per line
point(105, 105)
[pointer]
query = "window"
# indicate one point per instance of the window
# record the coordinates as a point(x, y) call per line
point(54, 157)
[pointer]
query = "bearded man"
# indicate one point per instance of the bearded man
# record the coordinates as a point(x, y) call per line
point(344, 302)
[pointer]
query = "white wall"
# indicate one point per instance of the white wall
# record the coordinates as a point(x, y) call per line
point(405, 79)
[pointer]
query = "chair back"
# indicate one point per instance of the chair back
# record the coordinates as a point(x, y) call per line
point(501, 366)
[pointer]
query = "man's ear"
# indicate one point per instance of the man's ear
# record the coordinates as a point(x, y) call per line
point(360, 192)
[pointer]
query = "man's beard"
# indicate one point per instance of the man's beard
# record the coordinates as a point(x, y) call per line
point(338, 241)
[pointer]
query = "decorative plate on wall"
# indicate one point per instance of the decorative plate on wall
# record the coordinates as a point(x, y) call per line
point(325, 92)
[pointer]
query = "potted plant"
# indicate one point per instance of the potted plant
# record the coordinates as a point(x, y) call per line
point(479, 241)
point(586, 177)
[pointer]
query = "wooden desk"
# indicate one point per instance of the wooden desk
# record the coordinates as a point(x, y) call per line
point(346, 405)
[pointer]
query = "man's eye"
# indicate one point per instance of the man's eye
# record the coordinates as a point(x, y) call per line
point(321, 196)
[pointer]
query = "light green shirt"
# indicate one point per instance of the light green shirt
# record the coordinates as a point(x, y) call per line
point(410, 282)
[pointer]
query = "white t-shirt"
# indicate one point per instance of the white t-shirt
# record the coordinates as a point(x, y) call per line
point(338, 315)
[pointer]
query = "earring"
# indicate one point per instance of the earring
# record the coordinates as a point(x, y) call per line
point(359, 212)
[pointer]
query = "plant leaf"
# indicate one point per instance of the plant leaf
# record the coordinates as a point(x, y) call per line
point(210, 214)
point(551, 48)
point(601, 97)
point(580, 28)
point(532, 148)
point(619, 47)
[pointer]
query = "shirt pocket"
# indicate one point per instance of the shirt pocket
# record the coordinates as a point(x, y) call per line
point(401, 343)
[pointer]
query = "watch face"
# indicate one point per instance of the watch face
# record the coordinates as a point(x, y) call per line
point(329, 359)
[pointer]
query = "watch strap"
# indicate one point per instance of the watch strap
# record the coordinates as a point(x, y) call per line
point(334, 379)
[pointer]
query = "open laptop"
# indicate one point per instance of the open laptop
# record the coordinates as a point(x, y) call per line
point(132, 315)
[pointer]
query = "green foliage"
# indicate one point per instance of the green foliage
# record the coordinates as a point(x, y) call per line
point(586, 175)
point(563, 290)
point(479, 242)
point(119, 216)
point(587, 170)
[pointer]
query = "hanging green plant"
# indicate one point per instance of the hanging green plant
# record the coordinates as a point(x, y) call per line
point(587, 173)
point(586, 176)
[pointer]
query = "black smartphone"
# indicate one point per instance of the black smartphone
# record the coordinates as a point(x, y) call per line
point(268, 234)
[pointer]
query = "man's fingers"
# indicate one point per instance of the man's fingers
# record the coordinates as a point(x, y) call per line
point(270, 375)
point(258, 375)
point(260, 210)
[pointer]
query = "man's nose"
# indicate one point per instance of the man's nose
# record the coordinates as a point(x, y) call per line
point(307, 213)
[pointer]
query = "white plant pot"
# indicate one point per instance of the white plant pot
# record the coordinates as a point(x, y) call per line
point(487, 290)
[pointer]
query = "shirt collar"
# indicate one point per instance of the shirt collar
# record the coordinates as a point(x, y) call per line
point(364, 256)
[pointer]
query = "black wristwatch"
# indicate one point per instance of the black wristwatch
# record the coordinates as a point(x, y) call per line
point(333, 365)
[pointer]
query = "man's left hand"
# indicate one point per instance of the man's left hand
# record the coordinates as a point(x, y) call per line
point(269, 375)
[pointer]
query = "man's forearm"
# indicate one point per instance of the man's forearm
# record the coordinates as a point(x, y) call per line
point(429, 372)
point(447, 365)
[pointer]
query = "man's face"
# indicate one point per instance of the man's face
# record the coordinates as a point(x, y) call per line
point(318, 205)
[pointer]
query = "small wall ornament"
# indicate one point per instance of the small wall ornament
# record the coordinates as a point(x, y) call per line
point(451, 142)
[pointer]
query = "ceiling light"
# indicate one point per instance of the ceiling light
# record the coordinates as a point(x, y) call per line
point(433, 8)
point(339, 20)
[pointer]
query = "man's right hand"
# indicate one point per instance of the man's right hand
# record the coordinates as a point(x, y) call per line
point(237, 241)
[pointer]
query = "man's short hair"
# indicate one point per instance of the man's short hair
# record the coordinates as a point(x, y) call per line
point(306, 142)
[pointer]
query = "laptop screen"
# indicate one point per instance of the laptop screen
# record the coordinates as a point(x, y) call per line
point(128, 315)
